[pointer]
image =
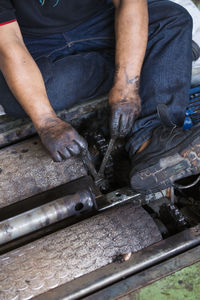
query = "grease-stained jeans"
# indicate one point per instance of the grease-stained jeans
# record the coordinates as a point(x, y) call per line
point(78, 65)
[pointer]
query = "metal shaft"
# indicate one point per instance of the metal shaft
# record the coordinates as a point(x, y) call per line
point(45, 215)
point(87, 160)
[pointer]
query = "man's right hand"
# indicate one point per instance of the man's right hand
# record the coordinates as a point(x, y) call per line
point(61, 139)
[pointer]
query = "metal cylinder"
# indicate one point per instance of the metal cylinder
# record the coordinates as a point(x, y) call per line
point(45, 215)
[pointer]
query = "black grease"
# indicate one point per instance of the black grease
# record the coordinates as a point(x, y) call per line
point(13, 152)
point(24, 150)
point(57, 136)
point(123, 115)
point(125, 104)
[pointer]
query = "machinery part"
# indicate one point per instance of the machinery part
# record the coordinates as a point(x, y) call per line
point(115, 272)
point(102, 145)
point(172, 195)
point(13, 130)
point(98, 179)
point(70, 253)
point(72, 187)
point(172, 217)
point(27, 170)
point(87, 160)
point(107, 156)
point(45, 215)
point(71, 205)
point(184, 187)
point(180, 285)
point(124, 195)
point(20, 207)
point(100, 142)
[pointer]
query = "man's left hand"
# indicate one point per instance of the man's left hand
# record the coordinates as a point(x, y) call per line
point(125, 106)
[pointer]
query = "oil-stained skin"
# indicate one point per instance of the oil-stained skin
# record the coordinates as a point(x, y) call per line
point(61, 139)
point(125, 105)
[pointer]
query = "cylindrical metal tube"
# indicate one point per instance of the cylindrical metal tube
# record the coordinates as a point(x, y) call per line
point(45, 215)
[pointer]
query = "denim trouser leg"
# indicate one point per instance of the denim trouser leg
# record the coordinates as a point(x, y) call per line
point(86, 70)
point(166, 73)
point(76, 66)
point(68, 81)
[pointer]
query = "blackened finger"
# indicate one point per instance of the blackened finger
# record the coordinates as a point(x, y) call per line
point(74, 149)
point(64, 153)
point(130, 124)
point(56, 156)
point(123, 125)
point(81, 143)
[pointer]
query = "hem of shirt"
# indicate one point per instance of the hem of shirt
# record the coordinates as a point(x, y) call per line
point(7, 22)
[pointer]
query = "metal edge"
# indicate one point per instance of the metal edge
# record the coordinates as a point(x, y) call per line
point(149, 276)
point(114, 272)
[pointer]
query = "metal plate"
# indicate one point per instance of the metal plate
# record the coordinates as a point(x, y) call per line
point(107, 282)
point(26, 169)
point(181, 285)
point(75, 251)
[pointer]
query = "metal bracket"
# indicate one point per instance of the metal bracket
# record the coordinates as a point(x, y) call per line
point(125, 195)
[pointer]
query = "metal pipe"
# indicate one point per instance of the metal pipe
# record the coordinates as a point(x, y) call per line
point(105, 276)
point(45, 215)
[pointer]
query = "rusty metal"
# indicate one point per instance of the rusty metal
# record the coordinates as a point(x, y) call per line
point(173, 218)
point(126, 289)
point(101, 143)
point(20, 207)
point(45, 215)
point(77, 250)
point(140, 261)
point(99, 179)
point(87, 160)
point(26, 169)
point(13, 130)
point(126, 194)
point(107, 156)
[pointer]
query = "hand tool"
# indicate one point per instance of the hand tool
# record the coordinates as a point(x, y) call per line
point(107, 155)
point(99, 178)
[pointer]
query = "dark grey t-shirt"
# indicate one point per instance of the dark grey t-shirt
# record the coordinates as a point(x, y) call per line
point(42, 17)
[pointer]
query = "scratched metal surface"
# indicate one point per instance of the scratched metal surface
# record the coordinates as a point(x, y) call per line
point(26, 170)
point(70, 253)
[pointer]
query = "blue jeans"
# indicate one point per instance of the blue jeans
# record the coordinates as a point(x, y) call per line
point(78, 65)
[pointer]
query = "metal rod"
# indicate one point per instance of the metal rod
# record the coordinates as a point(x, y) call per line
point(62, 208)
point(88, 284)
point(87, 160)
point(135, 282)
point(45, 215)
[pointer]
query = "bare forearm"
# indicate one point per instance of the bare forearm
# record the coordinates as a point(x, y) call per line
point(25, 81)
point(131, 42)
point(131, 39)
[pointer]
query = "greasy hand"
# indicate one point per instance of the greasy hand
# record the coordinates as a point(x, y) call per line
point(125, 106)
point(61, 139)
